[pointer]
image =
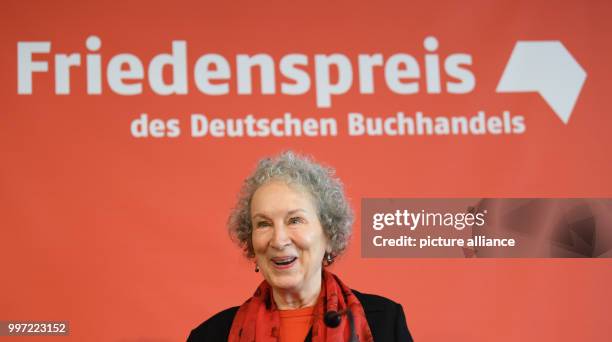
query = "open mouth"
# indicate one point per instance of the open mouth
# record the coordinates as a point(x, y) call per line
point(284, 262)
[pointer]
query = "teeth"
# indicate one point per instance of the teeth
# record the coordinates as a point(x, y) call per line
point(284, 261)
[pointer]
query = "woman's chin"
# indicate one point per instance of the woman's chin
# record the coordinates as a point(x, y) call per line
point(285, 281)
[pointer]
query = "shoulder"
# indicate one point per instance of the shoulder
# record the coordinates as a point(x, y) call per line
point(372, 302)
point(216, 328)
point(385, 317)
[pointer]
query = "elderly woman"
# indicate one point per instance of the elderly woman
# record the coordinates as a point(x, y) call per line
point(292, 219)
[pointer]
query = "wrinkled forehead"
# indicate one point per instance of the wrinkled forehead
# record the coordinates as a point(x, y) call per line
point(278, 197)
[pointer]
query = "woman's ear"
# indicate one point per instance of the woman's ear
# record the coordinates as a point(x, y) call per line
point(328, 258)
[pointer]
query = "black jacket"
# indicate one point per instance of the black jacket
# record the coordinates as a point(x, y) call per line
point(385, 318)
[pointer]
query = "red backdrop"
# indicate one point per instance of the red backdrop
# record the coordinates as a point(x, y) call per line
point(125, 237)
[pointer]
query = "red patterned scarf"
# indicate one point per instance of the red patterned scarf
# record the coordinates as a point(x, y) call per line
point(258, 319)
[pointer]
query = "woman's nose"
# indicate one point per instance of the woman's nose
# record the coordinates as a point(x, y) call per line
point(280, 237)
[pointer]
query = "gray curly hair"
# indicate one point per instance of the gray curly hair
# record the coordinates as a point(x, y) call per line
point(334, 212)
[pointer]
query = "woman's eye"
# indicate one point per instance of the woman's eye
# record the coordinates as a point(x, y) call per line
point(295, 220)
point(262, 224)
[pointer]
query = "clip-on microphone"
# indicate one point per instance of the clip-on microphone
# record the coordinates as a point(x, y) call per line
point(333, 319)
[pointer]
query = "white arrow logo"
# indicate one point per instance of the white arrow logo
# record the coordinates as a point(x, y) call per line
point(548, 68)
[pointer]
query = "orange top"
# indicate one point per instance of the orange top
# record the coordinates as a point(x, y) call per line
point(295, 324)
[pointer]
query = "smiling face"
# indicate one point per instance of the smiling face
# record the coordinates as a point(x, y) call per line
point(288, 240)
